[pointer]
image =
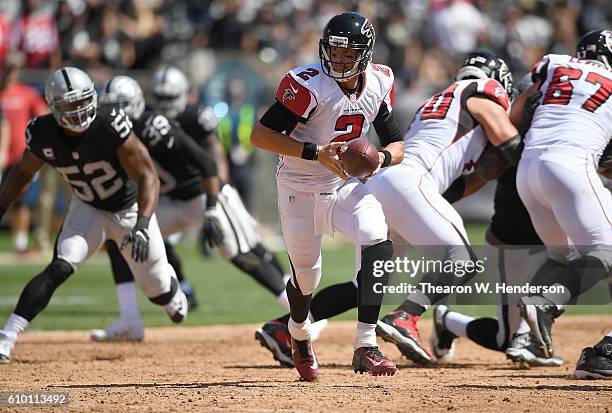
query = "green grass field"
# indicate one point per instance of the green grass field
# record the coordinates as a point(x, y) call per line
point(227, 296)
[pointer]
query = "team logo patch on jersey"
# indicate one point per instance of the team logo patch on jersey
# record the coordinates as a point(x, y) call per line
point(48, 153)
point(499, 91)
point(289, 94)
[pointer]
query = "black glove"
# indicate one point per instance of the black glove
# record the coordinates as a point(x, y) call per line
point(205, 249)
point(532, 103)
point(2, 212)
point(139, 238)
point(212, 234)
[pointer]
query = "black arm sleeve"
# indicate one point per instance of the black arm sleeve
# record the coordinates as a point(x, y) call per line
point(386, 126)
point(279, 118)
point(455, 192)
point(194, 154)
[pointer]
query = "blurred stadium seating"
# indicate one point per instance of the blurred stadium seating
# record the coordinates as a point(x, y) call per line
point(258, 40)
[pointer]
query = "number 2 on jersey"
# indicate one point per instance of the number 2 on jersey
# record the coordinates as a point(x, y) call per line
point(560, 89)
point(352, 124)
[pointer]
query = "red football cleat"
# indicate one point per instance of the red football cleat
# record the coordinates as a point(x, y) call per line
point(400, 328)
point(370, 360)
point(305, 359)
point(274, 335)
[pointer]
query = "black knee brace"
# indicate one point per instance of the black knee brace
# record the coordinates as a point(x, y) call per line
point(166, 297)
point(36, 295)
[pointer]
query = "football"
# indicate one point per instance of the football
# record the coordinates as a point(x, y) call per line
point(359, 158)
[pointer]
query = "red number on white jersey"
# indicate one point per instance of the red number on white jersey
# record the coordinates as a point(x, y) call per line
point(560, 89)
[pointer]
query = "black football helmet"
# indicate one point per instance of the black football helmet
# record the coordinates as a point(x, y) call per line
point(486, 65)
point(596, 45)
point(347, 30)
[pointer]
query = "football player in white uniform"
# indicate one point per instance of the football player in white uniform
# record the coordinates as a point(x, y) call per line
point(115, 190)
point(446, 136)
point(513, 253)
point(449, 133)
point(557, 176)
point(318, 108)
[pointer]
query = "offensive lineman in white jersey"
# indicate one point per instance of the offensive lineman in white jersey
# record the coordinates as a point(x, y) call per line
point(319, 107)
point(557, 178)
point(448, 135)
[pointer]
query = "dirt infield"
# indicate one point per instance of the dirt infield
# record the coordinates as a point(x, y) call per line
point(222, 368)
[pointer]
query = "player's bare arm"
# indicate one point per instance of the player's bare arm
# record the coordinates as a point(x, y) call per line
point(396, 149)
point(493, 119)
point(212, 233)
point(19, 178)
point(270, 140)
point(523, 107)
point(137, 163)
point(213, 142)
point(489, 166)
point(203, 160)
point(500, 131)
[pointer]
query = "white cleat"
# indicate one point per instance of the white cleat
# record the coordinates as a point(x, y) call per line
point(177, 308)
point(124, 329)
point(7, 342)
point(442, 341)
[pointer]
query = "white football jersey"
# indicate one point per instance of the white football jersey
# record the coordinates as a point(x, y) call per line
point(575, 110)
point(328, 114)
point(443, 138)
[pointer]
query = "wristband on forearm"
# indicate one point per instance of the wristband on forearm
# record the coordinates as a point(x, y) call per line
point(211, 201)
point(310, 151)
point(142, 222)
point(388, 158)
point(455, 192)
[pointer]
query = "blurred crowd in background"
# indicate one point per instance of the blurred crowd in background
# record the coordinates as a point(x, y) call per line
point(235, 52)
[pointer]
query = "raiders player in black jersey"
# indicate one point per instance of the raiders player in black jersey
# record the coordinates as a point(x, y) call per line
point(190, 198)
point(243, 246)
point(115, 194)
